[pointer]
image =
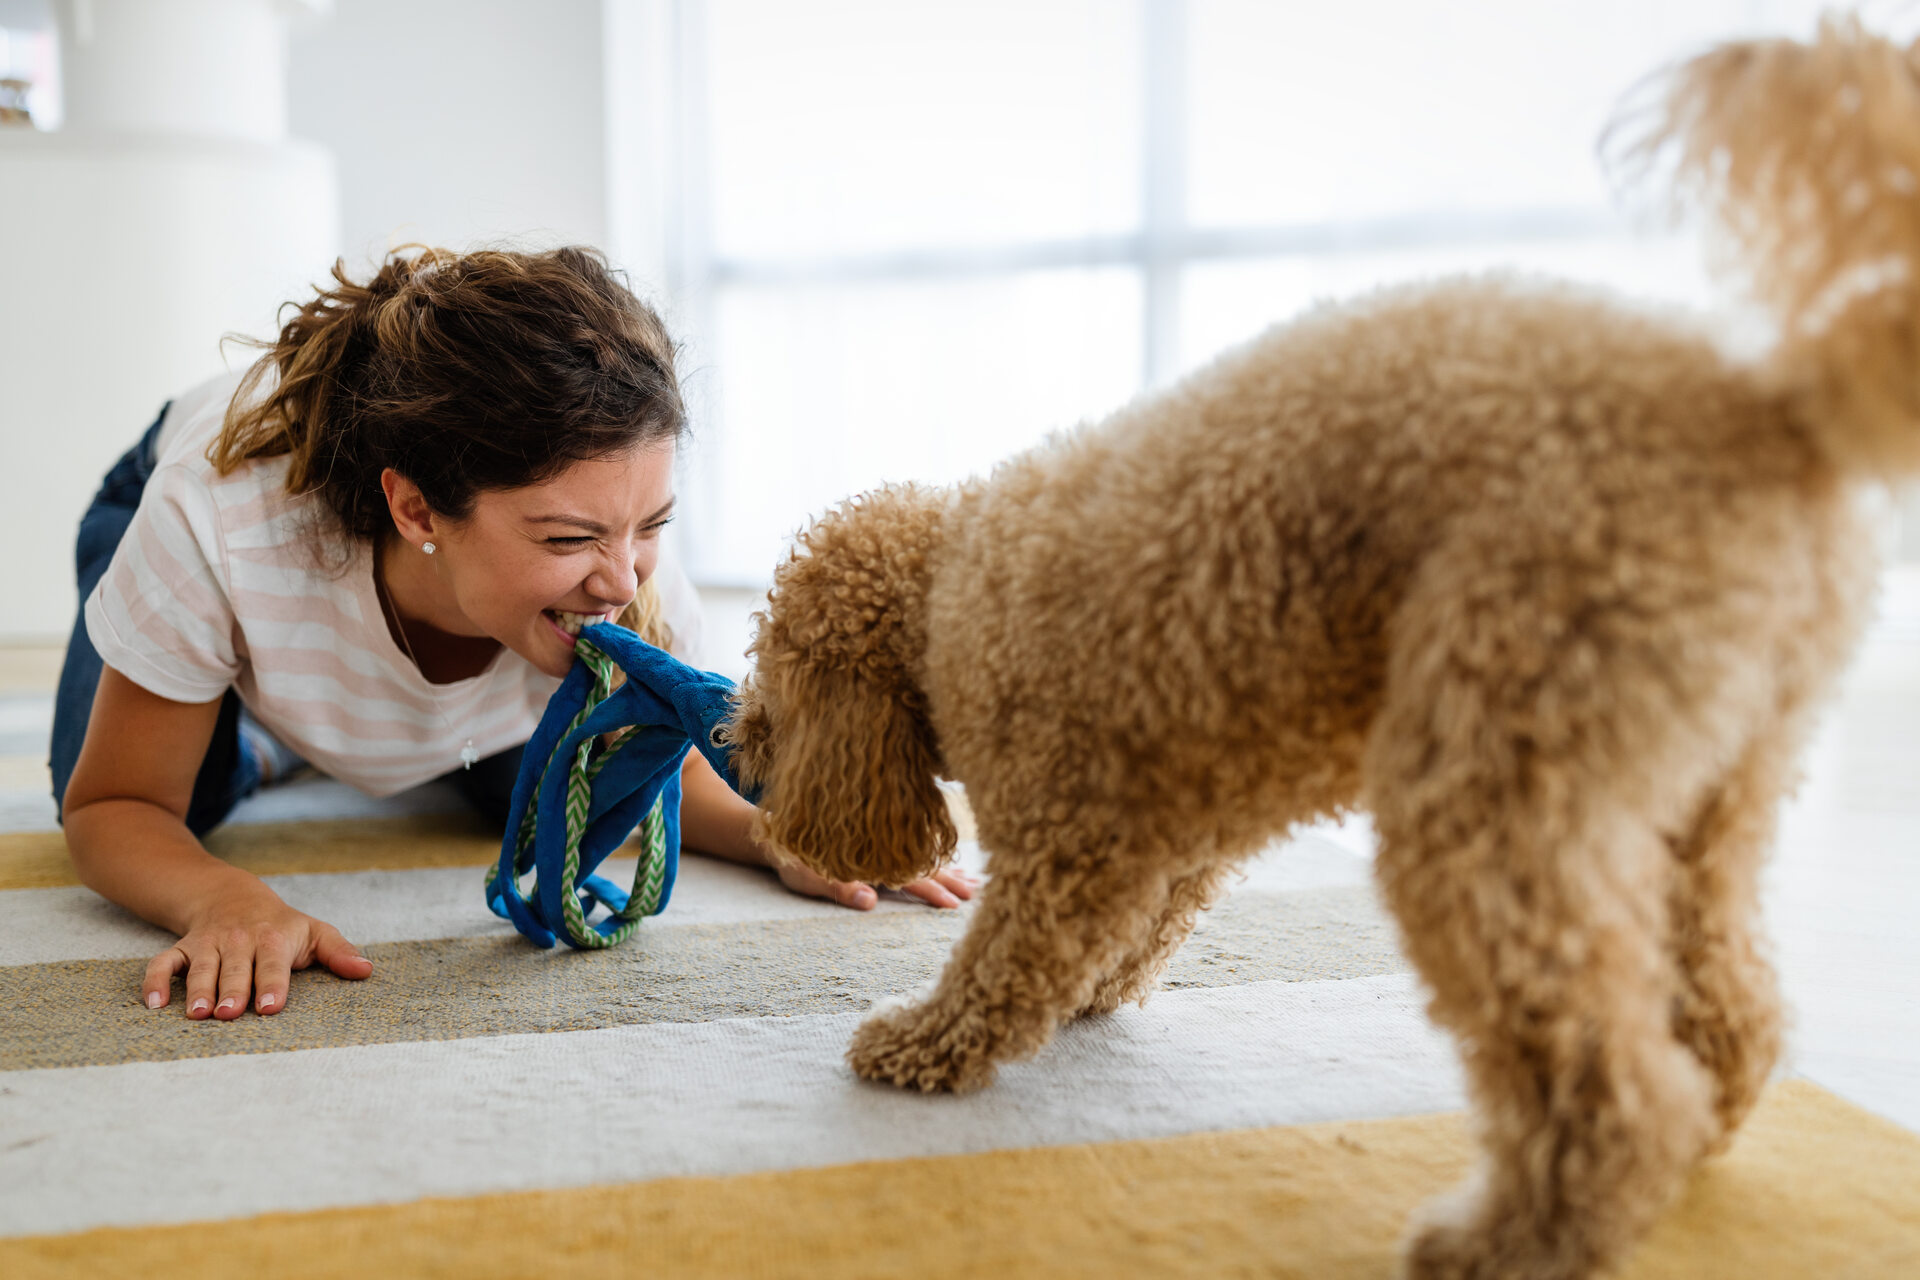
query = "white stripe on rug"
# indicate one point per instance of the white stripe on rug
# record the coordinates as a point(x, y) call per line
point(224, 1137)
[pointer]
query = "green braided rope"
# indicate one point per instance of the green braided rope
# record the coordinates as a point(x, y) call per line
point(649, 878)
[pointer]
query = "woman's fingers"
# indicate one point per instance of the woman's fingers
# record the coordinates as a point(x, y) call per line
point(947, 887)
point(960, 884)
point(236, 974)
point(272, 971)
point(157, 986)
point(851, 893)
point(225, 966)
point(203, 971)
point(931, 892)
point(848, 893)
point(341, 957)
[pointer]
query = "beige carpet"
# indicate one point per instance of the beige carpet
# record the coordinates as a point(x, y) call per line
point(680, 1106)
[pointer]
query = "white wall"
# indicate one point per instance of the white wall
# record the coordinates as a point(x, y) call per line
point(447, 121)
point(455, 122)
point(166, 213)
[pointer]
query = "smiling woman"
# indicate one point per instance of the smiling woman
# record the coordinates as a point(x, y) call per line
point(512, 574)
point(378, 541)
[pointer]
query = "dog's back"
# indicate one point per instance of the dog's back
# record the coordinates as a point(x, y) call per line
point(1198, 596)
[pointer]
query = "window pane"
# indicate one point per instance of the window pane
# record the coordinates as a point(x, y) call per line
point(1309, 113)
point(1223, 303)
point(820, 392)
point(866, 126)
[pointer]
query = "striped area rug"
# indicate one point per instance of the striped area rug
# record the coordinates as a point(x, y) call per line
point(679, 1106)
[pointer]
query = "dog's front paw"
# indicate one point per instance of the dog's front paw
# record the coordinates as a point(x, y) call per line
point(1114, 991)
point(1102, 1003)
point(910, 1046)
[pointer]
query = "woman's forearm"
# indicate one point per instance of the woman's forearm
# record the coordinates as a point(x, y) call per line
point(142, 856)
point(713, 818)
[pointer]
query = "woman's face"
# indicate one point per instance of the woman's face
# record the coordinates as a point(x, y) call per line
point(531, 566)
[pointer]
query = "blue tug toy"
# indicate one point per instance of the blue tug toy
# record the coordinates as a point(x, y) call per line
point(577, 798)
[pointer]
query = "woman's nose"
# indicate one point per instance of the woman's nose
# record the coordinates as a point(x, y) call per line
point(617, 579)
point(619, 574)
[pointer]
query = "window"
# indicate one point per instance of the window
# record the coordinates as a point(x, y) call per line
point(907, 239)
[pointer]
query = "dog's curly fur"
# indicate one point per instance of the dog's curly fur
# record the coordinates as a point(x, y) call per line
point(1548, 584)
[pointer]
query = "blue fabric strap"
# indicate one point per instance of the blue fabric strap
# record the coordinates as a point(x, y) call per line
point(576, 800)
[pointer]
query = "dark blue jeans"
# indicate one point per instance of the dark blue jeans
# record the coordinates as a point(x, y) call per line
point(228, 774)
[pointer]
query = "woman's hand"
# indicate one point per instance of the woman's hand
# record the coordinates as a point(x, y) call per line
point(246, 942)
point(947, 887)
point(715, 821)
point(125, 821)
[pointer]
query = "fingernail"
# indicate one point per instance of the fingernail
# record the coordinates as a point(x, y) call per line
point(266, 1001)
point(154, 999)
point(863, 898)
point(199, 1006)
point(225, 1005)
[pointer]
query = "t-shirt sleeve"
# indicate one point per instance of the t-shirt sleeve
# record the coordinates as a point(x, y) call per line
point(680, 607)
point(162, 615)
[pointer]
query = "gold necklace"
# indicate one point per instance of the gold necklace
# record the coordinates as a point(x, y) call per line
point(468, 756)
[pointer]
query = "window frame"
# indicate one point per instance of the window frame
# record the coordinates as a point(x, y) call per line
point(679, 254)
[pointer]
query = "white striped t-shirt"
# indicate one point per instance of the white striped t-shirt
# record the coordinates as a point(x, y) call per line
point(215, 586)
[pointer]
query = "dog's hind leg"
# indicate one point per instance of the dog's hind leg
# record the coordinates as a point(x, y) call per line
point(1137, 974)
point(1049, 927)
point(1728, 1011)
point(1728, 1008)
point(1541, 937)
point(1521, 789)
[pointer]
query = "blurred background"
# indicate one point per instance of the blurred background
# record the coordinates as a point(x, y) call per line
point(898, 239)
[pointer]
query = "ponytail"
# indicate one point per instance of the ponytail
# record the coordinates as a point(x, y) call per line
point(466, 373)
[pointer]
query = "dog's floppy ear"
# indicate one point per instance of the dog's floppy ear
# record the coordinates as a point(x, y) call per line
point(833, 727)
point(748, 737)
point(849, 789)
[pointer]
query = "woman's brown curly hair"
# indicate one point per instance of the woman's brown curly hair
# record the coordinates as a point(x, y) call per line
point(464, 372)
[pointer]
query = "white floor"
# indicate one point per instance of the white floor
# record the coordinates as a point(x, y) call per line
point(1843, 894)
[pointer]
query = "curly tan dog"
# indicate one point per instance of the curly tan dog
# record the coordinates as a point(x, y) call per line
point(1548, 584)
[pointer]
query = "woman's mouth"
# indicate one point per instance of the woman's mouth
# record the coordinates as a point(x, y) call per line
point(568, 624)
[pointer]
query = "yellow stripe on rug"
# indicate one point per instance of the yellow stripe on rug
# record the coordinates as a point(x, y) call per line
point(1813, 1188)
point(38, 859)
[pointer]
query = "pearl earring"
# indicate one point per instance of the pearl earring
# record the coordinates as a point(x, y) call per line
point(427, 547)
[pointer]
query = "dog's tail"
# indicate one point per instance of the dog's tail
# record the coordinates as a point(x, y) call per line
point(1808, 157)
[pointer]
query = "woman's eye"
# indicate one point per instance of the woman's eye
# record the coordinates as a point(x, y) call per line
point(646, 531)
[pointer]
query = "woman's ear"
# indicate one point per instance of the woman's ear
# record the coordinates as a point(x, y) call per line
point(849, 784)
point(408, 507)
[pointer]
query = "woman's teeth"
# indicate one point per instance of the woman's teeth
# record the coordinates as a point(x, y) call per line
point(572, 622)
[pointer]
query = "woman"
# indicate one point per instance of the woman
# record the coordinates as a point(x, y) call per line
point(370, 552)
